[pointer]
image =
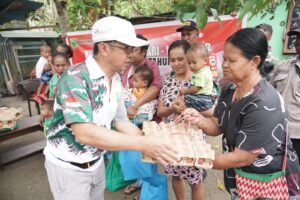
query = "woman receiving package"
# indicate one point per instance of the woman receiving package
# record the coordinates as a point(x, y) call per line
point(252, 118)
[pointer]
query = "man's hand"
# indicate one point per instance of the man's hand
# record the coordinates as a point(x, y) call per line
point(131, 112)
point(156, 147)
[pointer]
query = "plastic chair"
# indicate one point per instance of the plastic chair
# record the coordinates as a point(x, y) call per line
point(29, 87)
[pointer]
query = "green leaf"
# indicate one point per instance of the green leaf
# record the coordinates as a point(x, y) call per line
point(181, 15)
point(246, 9)
point(214, 12)
point(186, 8)
point(232, 4)
point(216, 15)
point(201, 15)
point(263, 15)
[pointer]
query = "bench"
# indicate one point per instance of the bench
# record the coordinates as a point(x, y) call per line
point(26, 126)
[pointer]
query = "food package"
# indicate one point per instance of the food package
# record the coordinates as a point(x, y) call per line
point(193, 149)
point(9, 117)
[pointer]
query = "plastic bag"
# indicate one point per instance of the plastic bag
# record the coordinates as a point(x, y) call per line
point(133, 167)
point(114, 175)
point(154, 188)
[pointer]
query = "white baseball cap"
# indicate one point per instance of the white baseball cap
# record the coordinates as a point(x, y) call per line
point(114, 28)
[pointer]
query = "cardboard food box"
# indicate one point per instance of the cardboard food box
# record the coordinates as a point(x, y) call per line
point(194, 151)
point(9, 117)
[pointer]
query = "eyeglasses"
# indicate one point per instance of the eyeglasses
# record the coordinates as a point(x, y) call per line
point(127, 49)
point(136, 49)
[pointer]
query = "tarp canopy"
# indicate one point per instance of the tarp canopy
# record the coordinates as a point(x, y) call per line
point(16, 9)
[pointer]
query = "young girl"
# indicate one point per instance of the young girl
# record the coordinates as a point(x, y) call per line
point(60, 63)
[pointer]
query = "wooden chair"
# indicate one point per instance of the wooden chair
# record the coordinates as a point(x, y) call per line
point(28, 88)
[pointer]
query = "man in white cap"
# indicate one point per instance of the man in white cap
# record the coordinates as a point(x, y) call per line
point(88, 101)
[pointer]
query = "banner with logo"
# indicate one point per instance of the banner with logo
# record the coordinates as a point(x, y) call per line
point(161, 35)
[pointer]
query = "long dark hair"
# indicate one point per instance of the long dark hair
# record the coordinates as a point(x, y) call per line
point(60, 55)
point(179, 43)
point(252, 42)
point(68, 50)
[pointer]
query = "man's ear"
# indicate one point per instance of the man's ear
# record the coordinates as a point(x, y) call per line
point(102, 48)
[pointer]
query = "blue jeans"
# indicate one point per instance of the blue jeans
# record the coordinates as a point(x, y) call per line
point(199, 101)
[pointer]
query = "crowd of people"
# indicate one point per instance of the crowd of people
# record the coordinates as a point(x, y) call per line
point(100, 105)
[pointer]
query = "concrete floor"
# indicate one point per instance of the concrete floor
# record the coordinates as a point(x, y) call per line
point(26, 179)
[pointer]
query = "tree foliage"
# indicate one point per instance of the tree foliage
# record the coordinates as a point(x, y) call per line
point(81, 14)
point(134, 8)
point(43, 16)
point(205, 8)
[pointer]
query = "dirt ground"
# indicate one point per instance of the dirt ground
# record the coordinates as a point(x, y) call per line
point(26, 178)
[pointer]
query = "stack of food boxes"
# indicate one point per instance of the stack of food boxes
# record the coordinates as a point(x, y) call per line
point(190, 141)
point(8, 118)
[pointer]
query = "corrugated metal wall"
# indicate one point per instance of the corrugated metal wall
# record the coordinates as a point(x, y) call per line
point(6, 53)
point(27, 54)
point(21, 56)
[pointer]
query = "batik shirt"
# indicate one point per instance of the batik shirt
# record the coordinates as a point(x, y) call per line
point(169, 92)
point(257, 124)
point(83, 96)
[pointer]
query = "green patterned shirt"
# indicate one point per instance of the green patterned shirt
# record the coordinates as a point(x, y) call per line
point(52, 85)
point(83, 97)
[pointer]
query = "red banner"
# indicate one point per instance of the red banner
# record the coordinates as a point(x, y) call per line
point(161, 35)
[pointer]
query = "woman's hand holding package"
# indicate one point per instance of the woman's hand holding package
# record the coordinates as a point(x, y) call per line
point(192, 116)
